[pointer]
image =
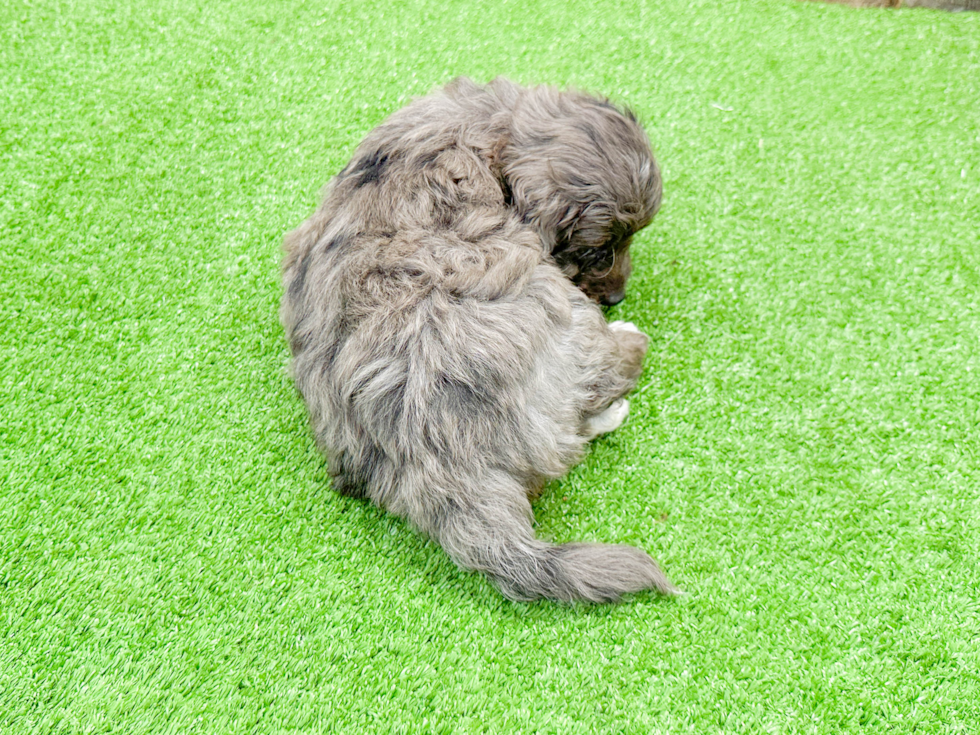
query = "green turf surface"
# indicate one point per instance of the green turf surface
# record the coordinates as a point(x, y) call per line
point(802, 455)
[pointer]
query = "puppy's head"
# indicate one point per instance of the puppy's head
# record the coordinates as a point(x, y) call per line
point(582, 172)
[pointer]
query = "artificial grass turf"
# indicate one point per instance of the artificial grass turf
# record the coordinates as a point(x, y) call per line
point(801, 454)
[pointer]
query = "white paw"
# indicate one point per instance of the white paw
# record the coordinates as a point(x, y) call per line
point(624, 327)
point(608, 420)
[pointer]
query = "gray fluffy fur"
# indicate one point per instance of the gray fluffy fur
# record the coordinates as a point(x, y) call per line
point(437, 308)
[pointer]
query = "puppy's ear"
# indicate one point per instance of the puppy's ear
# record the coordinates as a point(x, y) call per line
point(564, 216)
point(554, 215)
point(535, 182)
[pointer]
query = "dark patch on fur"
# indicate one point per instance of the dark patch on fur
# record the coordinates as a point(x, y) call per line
point(329, 353)
point(296, 344)
point(422, 161)
point(462, 396)
point(446, 218)
point(337, 242)
point(593, 134)
point(332, 345)
point(371, 168)
point(298, 283)
point(352, 477)
point(508, 193)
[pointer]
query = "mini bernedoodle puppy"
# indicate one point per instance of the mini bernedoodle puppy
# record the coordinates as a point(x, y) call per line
point(441, 310)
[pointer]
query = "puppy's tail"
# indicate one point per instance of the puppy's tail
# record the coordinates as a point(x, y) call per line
point(495, 537)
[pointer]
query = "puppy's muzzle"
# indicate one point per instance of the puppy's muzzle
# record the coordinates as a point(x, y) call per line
point(611, 299)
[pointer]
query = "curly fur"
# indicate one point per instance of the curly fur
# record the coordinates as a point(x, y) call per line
point(438, 310)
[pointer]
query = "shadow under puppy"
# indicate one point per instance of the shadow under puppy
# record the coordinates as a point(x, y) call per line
point(441, 310)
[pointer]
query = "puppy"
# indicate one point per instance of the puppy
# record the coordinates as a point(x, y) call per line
point(441, 311)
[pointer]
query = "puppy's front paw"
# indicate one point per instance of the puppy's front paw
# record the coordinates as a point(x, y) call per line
point(608, 420)
point(632, 346)
point(624, 327)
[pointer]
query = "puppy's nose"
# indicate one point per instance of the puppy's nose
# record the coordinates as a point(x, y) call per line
point(611, 299)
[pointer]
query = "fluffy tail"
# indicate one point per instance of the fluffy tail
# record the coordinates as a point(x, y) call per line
point(496, 538)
